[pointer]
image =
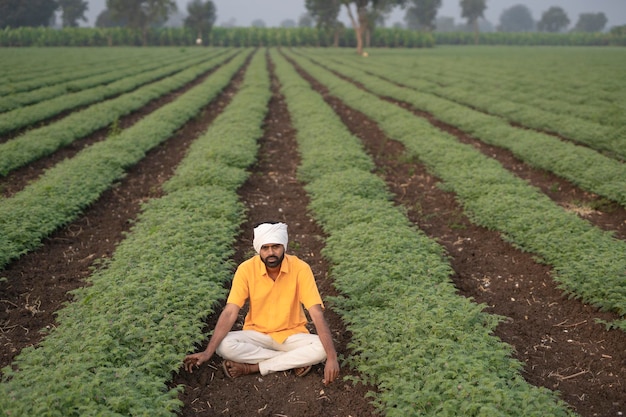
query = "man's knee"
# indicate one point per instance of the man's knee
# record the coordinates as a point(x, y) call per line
point(226, 348)
point(318, 349)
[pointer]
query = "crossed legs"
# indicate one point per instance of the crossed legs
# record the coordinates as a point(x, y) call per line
point(251, 351)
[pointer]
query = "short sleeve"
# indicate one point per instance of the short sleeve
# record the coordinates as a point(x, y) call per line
point(239, 291)
point(309, 293)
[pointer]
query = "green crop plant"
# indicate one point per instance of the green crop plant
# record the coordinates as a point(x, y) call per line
point(39, 142)
point(118, 343)
point(75, 183)
point(589, 263)
point(29, 115)
point(435, 354)
point(581, 165)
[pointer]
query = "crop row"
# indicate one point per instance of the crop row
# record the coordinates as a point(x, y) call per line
point(588, 262)
point(82, 80)
point(595, 122)
point(117, 344)
point(27, 69)
point(428, 350)
point(560, 75)
point(562, 95)
point(582, 166)
point(59, 195)
point(40, 70)
point(28, 115)
point(36, 143)
point(506, 103)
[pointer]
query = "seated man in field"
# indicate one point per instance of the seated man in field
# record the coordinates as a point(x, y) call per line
point(274, 337)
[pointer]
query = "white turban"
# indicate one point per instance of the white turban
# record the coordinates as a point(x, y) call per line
point(267, 233)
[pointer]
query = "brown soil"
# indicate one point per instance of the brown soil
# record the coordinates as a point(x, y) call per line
point(556, 338)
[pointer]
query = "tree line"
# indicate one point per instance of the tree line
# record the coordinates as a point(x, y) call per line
point(139, 15)
point(365, 16)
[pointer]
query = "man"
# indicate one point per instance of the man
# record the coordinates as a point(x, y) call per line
point(274, 337)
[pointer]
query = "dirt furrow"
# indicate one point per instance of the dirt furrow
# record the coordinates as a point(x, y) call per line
point(557, 339)
point(599, 211)
point(273, 192)
point(36, 284)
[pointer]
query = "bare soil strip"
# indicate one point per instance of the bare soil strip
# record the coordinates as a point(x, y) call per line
point(556, 338)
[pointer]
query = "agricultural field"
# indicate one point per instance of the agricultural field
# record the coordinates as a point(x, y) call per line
point(463, 209)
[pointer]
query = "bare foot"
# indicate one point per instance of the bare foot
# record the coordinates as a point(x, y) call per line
point(236, 369)
point(302, 371)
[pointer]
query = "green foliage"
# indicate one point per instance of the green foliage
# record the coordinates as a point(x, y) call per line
point(434, 354)
point(118, 343)
point(517, 18)
point(201, 17)
point(36, 143)
point(472, 9)
point(20, 13)
point(590, 22)
point(253, 36)
point(457, 103)
point(72, 11)
point(140, 14)
point(125, 81)
point(75, 183)
point(422, 14)
point(553, 20)
point(589, 262)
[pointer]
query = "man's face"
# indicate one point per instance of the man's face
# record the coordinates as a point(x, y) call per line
point(272, 254)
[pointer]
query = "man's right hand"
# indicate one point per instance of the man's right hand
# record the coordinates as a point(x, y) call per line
point(195, 359)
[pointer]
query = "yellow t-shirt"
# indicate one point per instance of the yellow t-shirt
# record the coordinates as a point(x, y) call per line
point(275, 306)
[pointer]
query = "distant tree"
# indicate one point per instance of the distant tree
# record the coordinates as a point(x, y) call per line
point(106, 20)
point(17, 13)
point(517, 18)
point(553, 20)
point(472, 10)
point(421, 14)
point(258, 23)
point(325, 13)
point(618, 30)
point(202, 15)
point(376, 17)
point(590, 22)
point(72, 11)
point(445, 24)
point(288, 23)
point(141, 14)
point(366, 12)
point(305, 21)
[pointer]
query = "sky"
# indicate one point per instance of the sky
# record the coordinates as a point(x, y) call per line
point(273, 12)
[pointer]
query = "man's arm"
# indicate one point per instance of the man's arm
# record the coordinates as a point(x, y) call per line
point(331, 370)
point(224, 324)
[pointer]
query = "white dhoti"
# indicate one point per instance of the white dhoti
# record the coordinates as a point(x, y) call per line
point(249, 346)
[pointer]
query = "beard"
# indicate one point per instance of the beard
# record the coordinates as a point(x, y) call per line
point(273, 261)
